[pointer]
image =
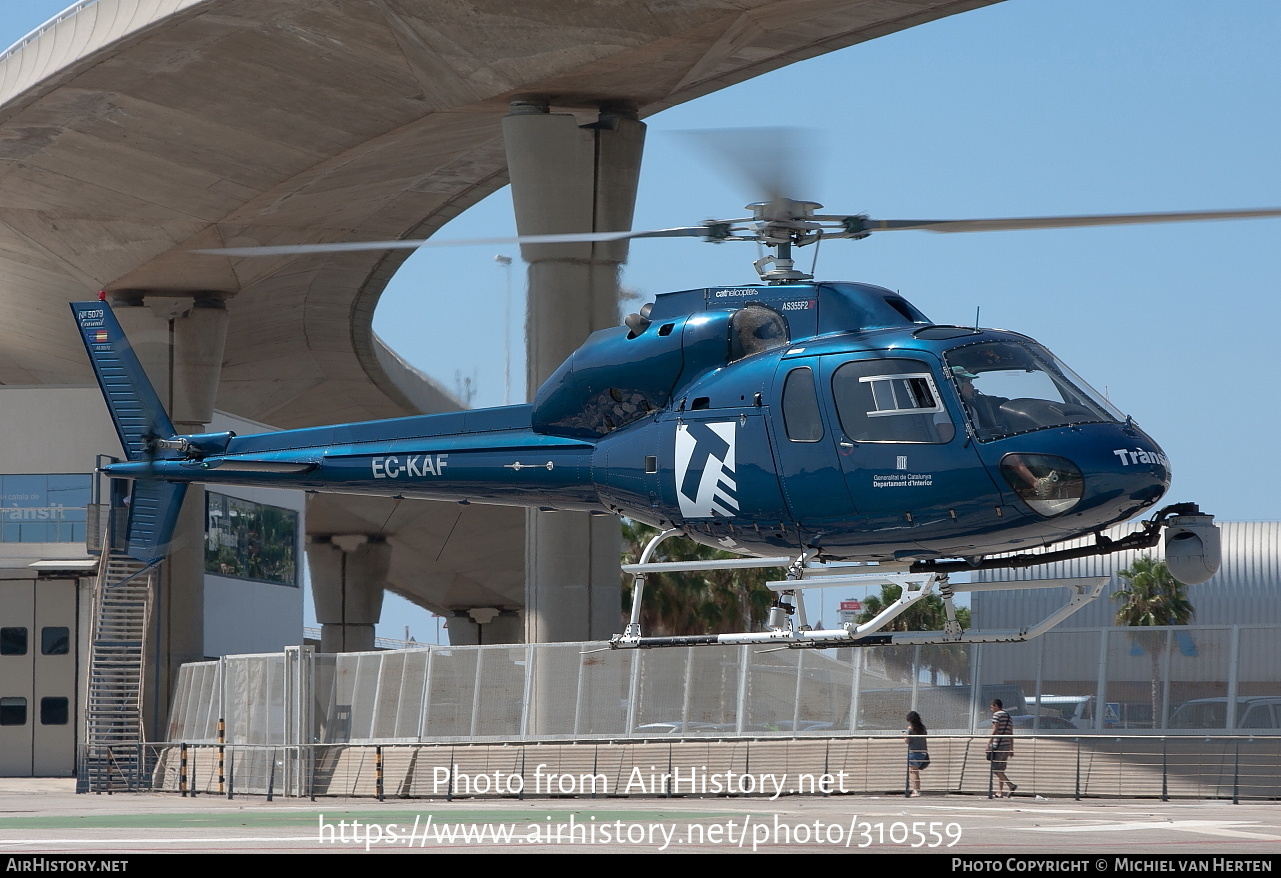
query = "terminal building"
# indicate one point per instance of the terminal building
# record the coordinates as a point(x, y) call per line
point(1246, 590)
point(1228, 655)
point(249, 597)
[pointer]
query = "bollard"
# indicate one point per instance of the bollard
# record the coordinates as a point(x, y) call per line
point(378, 772)
point(1077, 794)
point(222, 756)
point(1165, 769)
point(1236, 774)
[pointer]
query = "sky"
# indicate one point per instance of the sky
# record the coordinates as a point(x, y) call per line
point(1025, 108)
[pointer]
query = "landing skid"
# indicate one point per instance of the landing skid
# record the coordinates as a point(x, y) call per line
point(787, 625)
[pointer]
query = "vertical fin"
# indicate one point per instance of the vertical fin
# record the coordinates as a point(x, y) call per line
point(153, 513)
point(140, 418)
point(134, 405)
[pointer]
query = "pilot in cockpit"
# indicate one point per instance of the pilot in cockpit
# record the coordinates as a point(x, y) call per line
point(983, 409)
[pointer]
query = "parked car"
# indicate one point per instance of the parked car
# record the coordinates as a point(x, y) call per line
point(1253, 712)
point(1048, 722)
point(676, 727)
point(805, 725)
point(1076, 710)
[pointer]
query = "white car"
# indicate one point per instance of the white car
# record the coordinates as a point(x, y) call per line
point(1253, 712)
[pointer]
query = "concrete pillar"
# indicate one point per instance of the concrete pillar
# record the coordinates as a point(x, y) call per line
point(569, 177)
point(481, 626)
point(348, 575)
point(179, 340)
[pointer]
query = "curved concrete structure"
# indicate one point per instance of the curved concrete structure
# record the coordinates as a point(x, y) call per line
point(132, 131)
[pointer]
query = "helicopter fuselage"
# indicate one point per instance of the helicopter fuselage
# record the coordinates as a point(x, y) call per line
point(762, 420)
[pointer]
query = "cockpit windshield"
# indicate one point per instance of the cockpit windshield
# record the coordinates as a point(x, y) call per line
point(1015, 387)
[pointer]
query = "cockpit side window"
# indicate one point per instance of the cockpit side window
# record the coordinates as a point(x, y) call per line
point(1010, 388)
point(890, 401)
point(801, 415)
point(754, 329)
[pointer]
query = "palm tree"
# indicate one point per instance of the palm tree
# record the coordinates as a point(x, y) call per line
point(1152, 597)
point(926, 614)
point(698, 602)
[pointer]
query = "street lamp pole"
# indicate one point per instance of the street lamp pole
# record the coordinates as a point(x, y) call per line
point(506, 263)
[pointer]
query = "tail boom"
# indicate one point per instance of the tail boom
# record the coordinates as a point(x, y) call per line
point(519, 468)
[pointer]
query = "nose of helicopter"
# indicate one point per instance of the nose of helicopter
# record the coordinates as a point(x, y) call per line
point(1140, 471)
point(1115, 474)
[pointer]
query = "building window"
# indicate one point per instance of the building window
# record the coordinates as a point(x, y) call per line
point(13, 641)
point(53, 711)
point(248, 540)
point(13, 711)
point(55, 640)
point(43, 508)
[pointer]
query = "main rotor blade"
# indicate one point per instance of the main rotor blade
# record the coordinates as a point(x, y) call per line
point(1061, 222)
point(772, 162)
point(403, 244)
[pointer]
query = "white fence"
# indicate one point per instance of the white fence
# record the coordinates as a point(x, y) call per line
point(1130, 680)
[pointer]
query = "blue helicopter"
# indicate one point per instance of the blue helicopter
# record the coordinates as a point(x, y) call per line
point(794, 421)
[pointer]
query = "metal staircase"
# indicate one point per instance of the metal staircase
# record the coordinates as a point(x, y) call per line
point(113, 758)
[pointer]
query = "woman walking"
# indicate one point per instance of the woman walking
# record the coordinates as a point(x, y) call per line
point(918, 754)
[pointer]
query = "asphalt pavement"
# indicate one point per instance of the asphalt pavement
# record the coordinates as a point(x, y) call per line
point(46, 816)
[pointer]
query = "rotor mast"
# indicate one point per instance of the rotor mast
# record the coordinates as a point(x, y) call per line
point(782, 224)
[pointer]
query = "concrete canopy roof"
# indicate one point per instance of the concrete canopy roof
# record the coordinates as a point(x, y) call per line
point(132, 131)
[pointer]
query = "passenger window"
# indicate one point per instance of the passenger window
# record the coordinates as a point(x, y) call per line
point(890, 401)
point(801, 416)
